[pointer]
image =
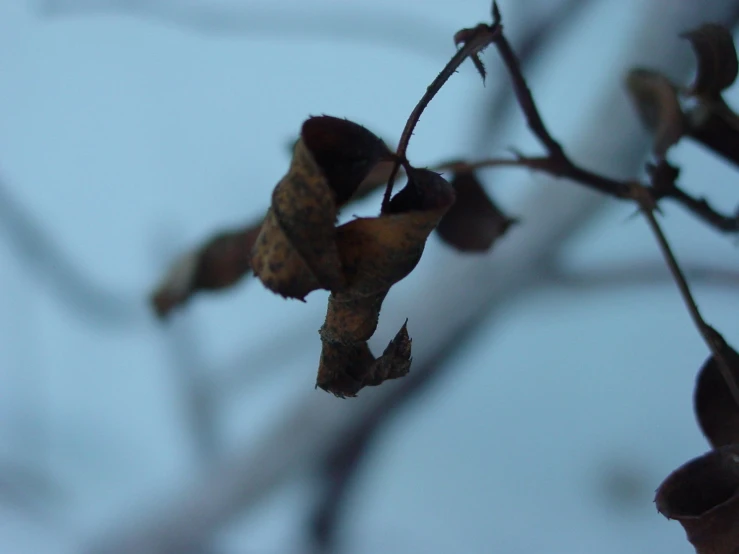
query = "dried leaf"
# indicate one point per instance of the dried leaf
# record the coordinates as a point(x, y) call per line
point(715, 408)
point(375, 179)
point(703, 495)
point(715, 125)
point(658, 106)
point(300, 249)
point(717, 60)
point(474, 222)
point(296, 251)
point(376, 253)
point(218, 264)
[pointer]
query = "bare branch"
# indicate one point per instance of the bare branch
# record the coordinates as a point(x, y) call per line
point(713, 339)
point(473, 42)
point(640, 274)
point(45, 259)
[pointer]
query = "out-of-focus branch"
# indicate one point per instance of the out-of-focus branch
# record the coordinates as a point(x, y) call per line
point(198, 402)
point(46, 261)
point(338, 22)
point(639, 274)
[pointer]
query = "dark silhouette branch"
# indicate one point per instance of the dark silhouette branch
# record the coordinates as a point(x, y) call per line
point(713, 339)
point(473, 41)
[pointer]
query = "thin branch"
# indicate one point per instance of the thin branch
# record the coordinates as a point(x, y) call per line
point(704, 211)
point(538, 33)
point(557, 162)
point(713, 339)
point(619, 189)
point(663, 178)
point(473, 42)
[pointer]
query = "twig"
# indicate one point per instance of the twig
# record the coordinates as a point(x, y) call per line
point(565, 168)
point(538, 34)
point(473, 42)
point(703, 210)
point(663, 177)
point(557, 162)
point(713, 339)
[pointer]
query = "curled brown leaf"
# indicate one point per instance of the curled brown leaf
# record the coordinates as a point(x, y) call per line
point(717, 68)
point(376, 253)
point(296, 251)
point(474, 222)
point(716, 126)
point(218, 264)
point(703, 495)
point(715, 408)
point(658, 106)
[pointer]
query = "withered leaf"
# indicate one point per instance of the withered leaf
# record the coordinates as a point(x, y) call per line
point(219, 263)
point(703, 495)
point(296, 251)
point(474, 222)
point(714, 124)
point(717, 68)
point(375, 179)
point(658, 106)
point(376, 253)
point(715, 408)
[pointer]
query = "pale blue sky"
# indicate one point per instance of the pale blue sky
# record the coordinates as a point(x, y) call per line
point(130, 139)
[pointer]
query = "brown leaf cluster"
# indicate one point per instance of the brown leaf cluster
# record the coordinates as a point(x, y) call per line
point(703, 495)
point(300, 248)
point(473, 224)
point(708, 120)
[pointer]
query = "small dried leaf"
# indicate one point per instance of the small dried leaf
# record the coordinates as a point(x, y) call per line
point(296, 251)
point(376, 178)
point(703, 495)
point(715, 408)
point(717, 60)
point(658, 106)
point(218, 264)
point(474, 222)
point(715, 125)
point(300, 249)
point(376, 253)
